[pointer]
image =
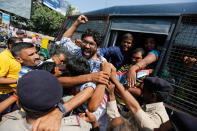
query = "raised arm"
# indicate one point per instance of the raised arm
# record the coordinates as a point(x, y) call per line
point(131, 75)
point(131, 102)
point(99, 77)
point(98, 95)
point(80, 20)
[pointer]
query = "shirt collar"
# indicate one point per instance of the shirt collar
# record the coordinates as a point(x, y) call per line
point(9, 53)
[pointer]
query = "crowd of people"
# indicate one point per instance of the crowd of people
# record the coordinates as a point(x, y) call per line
point(77, 89)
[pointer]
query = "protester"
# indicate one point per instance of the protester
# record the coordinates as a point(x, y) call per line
point(119, 55)
point(91, 42)
point(9, 69)
point(26, 54)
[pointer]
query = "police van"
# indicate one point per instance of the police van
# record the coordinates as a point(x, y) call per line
point(175, 25)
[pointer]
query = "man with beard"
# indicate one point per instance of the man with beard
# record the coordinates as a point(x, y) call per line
point(91, 41)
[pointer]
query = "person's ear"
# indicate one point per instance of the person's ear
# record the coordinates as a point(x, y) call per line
point(19, 59)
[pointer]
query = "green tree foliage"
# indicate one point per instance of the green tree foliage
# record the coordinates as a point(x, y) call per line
point(43, 20)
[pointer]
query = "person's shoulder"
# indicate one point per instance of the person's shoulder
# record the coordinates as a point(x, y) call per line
point(111, 48)
point(154, 51)
point(13, 121)
point(4, 57)
point(116, 48)
point(4, 53)
point(157, 111)
point(102, 59)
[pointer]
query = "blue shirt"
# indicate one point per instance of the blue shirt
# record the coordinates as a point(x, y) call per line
point(153, 65)
point(24, 70)
point(156, 52)
point(116, 54)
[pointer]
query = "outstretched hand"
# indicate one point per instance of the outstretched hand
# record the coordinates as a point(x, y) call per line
point(131, 78)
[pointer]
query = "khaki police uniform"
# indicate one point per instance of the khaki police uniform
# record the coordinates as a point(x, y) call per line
point(112, 110)
point(14, 121)
point(149, 117)
point(153, 116)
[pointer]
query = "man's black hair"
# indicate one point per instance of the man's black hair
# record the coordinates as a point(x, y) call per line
point(60, 50)
point(16, 48)
point(77, 65)
point(98, 38)
point(127, 36)
point(48, 66)
point(13, 40)
point(138, 50)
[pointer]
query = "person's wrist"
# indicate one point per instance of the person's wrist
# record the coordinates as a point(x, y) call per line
point(57, 113)
point(95, 124)
point(77, 23)
point(90, 77)
point(111, 96)
point(113, 78)
point(134, 68)
point(15, 97)
point(62, 109)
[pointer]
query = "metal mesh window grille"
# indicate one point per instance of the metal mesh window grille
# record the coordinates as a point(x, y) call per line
point(179, 70)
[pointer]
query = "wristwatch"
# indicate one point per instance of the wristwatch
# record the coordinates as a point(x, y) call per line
point(61, 108)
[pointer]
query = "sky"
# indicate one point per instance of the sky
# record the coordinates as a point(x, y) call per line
point(90, 5)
